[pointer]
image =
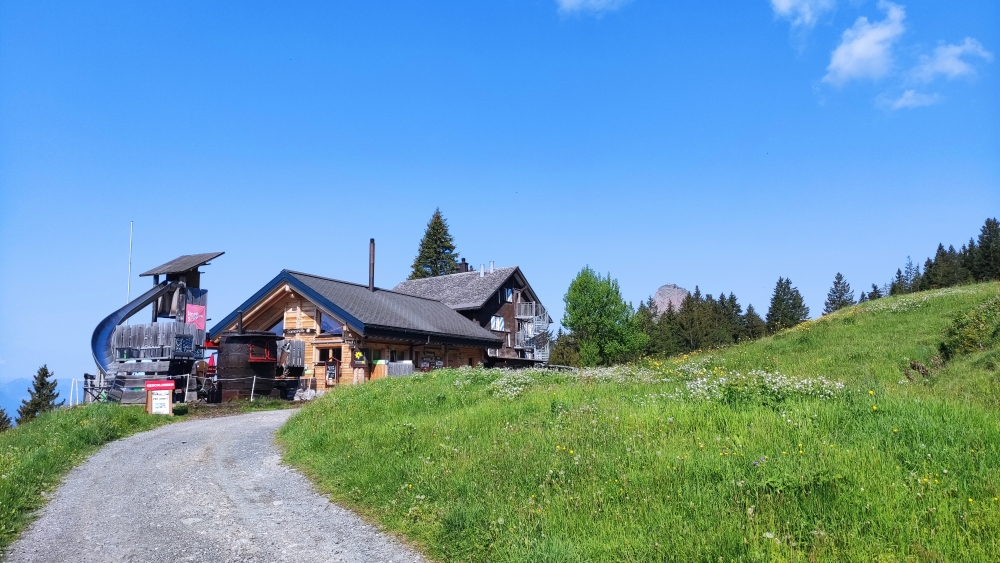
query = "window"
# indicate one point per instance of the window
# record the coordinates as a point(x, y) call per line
point(329, 325)
point(496, 323)
point(279, 327)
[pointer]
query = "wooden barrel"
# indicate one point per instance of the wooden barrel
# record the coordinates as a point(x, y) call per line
point(248, 363)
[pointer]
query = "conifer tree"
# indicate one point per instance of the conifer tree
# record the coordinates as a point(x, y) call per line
point(787, 307)
point(875, 293)
point(436, 255)
point(863, 297)
point(987, 255)
point(840, 295)
point(565, 351)
point(5, 421)
point(41, 397)
point(911, 276)
point(754, 326)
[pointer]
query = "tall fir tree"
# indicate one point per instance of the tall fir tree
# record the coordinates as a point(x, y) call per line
point(5, 421)
point(41, 397)
point(840, 295)
point(754, 326)
point(436, 255)
point(911, 276)
point(565, 351)
point(875, 293)
point(987, 255)
point(787, 307)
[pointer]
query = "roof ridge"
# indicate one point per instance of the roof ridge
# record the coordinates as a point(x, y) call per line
point(457, 274)
point(361, 285)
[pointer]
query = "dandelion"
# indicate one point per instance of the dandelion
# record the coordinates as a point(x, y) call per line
point(871, 392)
point(874, 408)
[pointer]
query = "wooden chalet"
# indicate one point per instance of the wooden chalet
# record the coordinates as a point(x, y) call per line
point(498, 299)
point(353, 333)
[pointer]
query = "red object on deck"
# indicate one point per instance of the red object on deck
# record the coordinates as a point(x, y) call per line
point(160, 385)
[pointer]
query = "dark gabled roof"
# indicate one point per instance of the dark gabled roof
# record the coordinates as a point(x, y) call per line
point(467, 290)
point(459, 291)
point(374, 313)
point(183, 264)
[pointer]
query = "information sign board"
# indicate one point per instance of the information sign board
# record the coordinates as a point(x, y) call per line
point(161, 402)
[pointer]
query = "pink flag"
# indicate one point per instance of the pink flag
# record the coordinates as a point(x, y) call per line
point(195, 315)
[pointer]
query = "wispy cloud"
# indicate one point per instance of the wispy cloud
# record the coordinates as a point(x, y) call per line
point(594, 6)
point(947, 61)
point(802, 13)
point(909, 99)
point(865, 50)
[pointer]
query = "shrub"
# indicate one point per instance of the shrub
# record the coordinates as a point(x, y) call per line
point(973, 331)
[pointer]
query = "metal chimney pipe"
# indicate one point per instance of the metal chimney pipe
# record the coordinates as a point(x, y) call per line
point(371, 265)
point(491, 266)
point(482, 270)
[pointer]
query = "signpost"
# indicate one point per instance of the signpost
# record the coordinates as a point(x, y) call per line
point(358, 359)
point(159, 397)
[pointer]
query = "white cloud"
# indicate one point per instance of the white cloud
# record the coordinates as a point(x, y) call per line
point(865, 50)
point(570, 6)
point(912, 99)
point(802, 13)
point(947, 61)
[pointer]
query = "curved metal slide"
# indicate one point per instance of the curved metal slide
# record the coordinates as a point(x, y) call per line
point(100, 342)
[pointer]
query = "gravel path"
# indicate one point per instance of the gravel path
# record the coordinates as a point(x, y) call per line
point(204, 490)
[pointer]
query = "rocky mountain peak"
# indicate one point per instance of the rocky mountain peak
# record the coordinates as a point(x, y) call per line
point(669, 294)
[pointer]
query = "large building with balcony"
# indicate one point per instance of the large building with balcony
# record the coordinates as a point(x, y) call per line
point(499, 300)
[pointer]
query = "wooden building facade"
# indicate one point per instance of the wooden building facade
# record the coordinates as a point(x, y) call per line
point(498, 299)
point(354, 333)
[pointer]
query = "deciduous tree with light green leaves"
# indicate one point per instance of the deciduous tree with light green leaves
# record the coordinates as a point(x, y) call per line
point(436, 255)
point(606, 328)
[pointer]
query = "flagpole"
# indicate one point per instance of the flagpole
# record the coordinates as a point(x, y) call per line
point(128, 285)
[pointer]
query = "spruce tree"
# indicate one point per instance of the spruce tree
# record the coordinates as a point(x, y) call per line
point(987, 256)
point(5, 421)
point(565, 351)
point(41, 397)
point(787, 307)
point(840, 295)
point(436, 255)
point(875, 293)
point(754, 326)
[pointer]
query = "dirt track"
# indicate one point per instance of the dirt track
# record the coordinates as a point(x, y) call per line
point(203, 490)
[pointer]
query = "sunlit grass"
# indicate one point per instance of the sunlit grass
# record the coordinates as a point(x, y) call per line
point(732, 454)
point(35, 456)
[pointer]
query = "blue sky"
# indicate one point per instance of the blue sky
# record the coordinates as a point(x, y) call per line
point(698, 143)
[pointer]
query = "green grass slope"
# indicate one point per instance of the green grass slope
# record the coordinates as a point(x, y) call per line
point(35, 456)
point(844, 439)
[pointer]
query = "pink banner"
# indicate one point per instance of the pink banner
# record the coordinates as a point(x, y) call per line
point(195, 315)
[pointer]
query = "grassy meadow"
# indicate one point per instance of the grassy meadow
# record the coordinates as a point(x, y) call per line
point(843, 439)
point(34, 457)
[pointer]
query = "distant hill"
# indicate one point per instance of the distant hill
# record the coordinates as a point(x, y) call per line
point(669, 294)
point(13, 391)
point(11, 394)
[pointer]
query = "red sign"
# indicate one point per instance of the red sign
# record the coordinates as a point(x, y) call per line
point(195, 315)
point(160, 385)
